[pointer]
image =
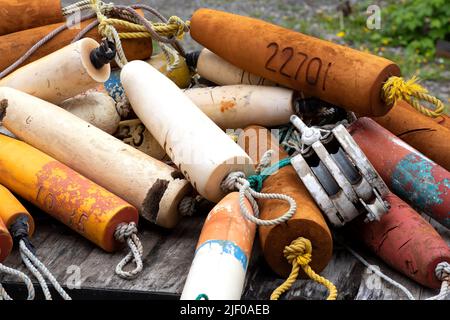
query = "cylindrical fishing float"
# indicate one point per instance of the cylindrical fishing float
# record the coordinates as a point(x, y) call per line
point(62, 74)
point(150, 185)
point(419, 131)
point(16, 15)
point(222, 254)
point(215, 69)
point(197, 146)
point(405, 241)
point(307, 221)
point(6, 242)
point(238, 106)
point(15, 45)
point(340, 75)
point(408, 173)
point(97, 108)
point(11, 210)
point(134, 133)
point(179, 74)
point(74, 200)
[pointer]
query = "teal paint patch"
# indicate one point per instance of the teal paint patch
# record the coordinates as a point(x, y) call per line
point(413, 180)
point(227, 247)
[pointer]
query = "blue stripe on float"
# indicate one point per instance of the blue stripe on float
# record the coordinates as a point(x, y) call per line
point(413, 181)
point(228, 247)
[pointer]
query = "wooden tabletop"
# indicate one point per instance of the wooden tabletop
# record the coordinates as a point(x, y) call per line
point(167, 258)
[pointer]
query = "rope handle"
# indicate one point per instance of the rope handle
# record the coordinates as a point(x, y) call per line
point(127, 232)
point(22, 276)
point(396, 89)
point(299, 254)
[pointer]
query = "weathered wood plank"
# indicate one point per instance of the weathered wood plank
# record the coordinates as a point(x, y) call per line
point(168, 255)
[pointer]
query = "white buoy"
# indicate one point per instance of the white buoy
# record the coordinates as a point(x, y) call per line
point(97, 108)
point(212, 67)
point(60, 75)
point(150, 185)
point(222, 254)
point(238, 106)
point(196, 145)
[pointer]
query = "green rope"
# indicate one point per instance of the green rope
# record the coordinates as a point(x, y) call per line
point(256, 181)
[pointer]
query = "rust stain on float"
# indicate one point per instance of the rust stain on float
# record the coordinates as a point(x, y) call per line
point(227, 105)
point(72, 198)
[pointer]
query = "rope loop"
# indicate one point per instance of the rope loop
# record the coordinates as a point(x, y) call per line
point(396, 89)
point(22, 276)
point(126, 232)
point(299, 254)
point(39, 270)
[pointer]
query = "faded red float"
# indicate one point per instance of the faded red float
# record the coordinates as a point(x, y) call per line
point(408, 173)
point(405, 241)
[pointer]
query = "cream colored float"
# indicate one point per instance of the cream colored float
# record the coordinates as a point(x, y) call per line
point(238, 106)
point(134, 133)
point(97, 108)
point(150, 185)
point(197, 146)
point(61, 75)
point(212, 67)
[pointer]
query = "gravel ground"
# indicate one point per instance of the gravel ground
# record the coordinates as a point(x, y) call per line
point(295, 13)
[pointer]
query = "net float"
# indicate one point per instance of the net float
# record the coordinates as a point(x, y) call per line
point(85, 207)
point(408, 173)
point(64, 73)
point(336, 74)
point(215, 69)
point(238, 106)
point(307, 222)
point(423, 133)
point(177, 71)
point(134, 133)
point(153, 187)
point(405, 241)
point(6, 242)
point(196, 145)
point(222, 254)
point(97, 108)
point(17, 15)
point(14, 45)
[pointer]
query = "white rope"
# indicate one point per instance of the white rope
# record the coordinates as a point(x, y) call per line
point(22, 276)
point(442, 273)
point(170, 54)
point(126, 232)
point(39, 270)
point(381, 274)
point(78, 6)
point(237, 180)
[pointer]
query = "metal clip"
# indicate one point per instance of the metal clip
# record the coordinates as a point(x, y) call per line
point(338, 175)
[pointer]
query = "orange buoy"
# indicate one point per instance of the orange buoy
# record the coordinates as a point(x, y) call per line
point(307, 222)
point(17, 15)
point(76, 201)
point(11, 210)
point(6, 242)
point(222, 254)
point(339, 75)
point(419, 131)
point(15, 45)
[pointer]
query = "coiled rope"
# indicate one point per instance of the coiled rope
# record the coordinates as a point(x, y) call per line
point(299, 254)
point(238, 181)
point(127, 233)
point(22, 276)
point(396, 89)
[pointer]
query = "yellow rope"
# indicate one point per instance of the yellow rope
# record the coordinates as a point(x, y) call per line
point(396, 89)
point(299, 253)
